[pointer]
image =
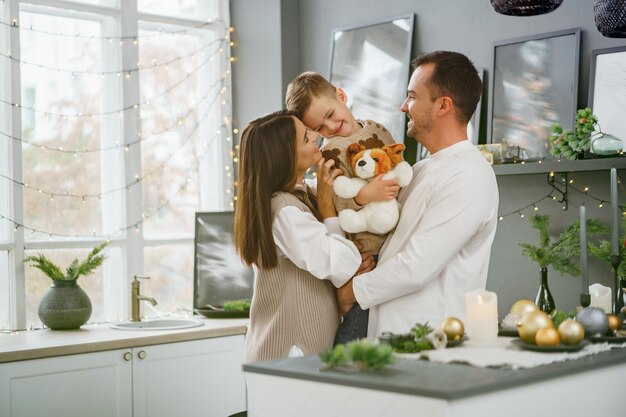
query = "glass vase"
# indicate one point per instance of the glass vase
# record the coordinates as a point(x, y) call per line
point(544, 299)
point(606, 145)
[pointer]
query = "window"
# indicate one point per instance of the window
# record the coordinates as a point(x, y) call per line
point(116, 125)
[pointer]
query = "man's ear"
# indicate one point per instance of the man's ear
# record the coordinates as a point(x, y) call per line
point(352, 150)
point(395, 153)
point(341, 95)
point(446, 105)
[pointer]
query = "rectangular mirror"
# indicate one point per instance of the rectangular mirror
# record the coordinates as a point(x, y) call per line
point(534, 84)
point(607, 90)
point(219, 273)
point(371, 63)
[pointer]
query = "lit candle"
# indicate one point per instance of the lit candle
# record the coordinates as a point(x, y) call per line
point(615, 223)
point(583, 250)
point(481, 313)
point(601, 297)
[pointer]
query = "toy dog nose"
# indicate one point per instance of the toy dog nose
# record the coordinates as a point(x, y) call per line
point(361, 163)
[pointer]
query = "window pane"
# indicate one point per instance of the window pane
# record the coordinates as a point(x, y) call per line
point(5, 322)
point(196, 9)
point(170, 269)
point(37, 284)
point(178, 125)
point(5, 225)
point(63, 187)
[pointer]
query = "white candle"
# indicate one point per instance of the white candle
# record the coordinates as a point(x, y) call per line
point(601, 297)
point(481, 313)
point(614, 212)
point(583, 250)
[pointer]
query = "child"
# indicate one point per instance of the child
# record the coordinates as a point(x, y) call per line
point(322, 107)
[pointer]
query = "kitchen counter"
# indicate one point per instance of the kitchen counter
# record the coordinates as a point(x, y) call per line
point(585, 386)
point(46, 343)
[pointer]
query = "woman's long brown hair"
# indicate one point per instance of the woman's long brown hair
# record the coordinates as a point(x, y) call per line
point(267, 164)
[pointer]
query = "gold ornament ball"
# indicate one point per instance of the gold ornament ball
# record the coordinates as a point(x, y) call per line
point(547, 336)
point(453, 328)
point(523, 307)
point(532, 323)
point(614, 322)
point(571, 332)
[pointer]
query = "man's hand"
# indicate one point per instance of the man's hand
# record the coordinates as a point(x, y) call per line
point(345, 298)
point(378, 190)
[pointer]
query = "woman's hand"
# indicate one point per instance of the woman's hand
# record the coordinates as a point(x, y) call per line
point(378, 190)
point(325, 179)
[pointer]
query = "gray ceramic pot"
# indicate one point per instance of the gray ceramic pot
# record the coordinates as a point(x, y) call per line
point(64, 306)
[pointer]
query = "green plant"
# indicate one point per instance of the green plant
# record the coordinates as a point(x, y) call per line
point(567, 143)
point(362, 354)
point(237, 305)
point(76, 268)
point(560, 316)
point(602, 251)
point(559, 253)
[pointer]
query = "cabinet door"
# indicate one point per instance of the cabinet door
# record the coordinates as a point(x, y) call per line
point(91, 384)
point(196, 378)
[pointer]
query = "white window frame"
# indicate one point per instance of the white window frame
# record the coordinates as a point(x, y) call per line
point(126, 252)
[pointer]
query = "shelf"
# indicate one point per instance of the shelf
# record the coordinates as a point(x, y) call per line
point(554, 165)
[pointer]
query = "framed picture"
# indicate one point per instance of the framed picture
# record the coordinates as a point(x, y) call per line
point(534, 84)
point(219, 273)
point(371, 63)
point(473, 126)
point(607, 90)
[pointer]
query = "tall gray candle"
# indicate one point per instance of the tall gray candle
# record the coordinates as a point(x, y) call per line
point(614, 212)
point(583, 250)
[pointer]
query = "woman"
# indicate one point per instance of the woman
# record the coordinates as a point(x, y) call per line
point(292, 238)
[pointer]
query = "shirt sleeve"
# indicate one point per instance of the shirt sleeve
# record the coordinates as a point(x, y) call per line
point(316, 247)
point(456, 212)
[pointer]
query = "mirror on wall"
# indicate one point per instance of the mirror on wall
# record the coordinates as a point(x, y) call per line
point(371, 63)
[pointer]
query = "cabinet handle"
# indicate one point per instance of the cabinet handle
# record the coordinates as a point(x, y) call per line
point(141, 354)
point(127, 356)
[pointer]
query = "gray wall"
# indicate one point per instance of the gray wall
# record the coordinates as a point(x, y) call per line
point(469, 27)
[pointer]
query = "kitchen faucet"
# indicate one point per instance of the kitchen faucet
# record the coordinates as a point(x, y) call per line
point(136, 297)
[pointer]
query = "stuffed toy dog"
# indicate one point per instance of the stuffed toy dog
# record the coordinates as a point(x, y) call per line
point(377, 217)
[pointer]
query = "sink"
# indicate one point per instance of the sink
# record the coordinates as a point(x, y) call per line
point(158, 324)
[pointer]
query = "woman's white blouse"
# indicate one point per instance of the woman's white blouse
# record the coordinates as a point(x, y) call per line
point(316, 247)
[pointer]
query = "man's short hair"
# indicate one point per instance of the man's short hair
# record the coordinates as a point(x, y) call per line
point(303, 88)
point(454, 75)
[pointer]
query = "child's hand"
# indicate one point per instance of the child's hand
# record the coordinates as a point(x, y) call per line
point(378, 190)
point(325, 179)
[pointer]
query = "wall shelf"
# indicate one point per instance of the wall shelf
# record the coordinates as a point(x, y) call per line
point(555, 165)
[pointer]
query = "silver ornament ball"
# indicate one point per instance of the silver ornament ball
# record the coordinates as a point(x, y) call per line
point(594, 321)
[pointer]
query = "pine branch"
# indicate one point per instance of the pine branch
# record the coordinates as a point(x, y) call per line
point(46, 266)
point(76, 268)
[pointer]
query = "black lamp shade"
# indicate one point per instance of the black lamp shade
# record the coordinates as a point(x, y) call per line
point(525, 7)
point(610, 17)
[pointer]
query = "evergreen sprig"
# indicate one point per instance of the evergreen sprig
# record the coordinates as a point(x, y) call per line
point(76, 268)
point(603, 251)
point(237, 305)
point(361, 354)
point(561, 252)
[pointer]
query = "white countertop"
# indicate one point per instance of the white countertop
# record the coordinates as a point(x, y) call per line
point(46, 343)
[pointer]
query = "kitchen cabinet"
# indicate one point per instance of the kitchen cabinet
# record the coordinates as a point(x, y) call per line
point(200, 377)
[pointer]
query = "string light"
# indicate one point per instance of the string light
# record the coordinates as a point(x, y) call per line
point(122, 38)
point(104, 113)
point(117, 145)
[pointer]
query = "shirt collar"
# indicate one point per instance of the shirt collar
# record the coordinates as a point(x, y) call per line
point(459, 146)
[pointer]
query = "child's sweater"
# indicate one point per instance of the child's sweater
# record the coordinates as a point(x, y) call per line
point(371, 135)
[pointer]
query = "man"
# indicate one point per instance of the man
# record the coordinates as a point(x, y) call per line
point(440, 248)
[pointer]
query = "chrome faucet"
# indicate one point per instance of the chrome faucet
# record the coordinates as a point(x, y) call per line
point(136, 297)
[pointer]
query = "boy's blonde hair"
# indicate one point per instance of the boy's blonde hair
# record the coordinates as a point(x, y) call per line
point(303, 88)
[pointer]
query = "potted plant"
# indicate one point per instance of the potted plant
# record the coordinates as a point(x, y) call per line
point(65, 305)
point(560, 254)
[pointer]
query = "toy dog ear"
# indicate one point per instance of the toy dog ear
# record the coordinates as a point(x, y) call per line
point(395, 153)
point(352, 150)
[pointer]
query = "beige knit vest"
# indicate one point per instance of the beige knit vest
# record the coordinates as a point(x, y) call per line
point(371, 135)
point(289, 306)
